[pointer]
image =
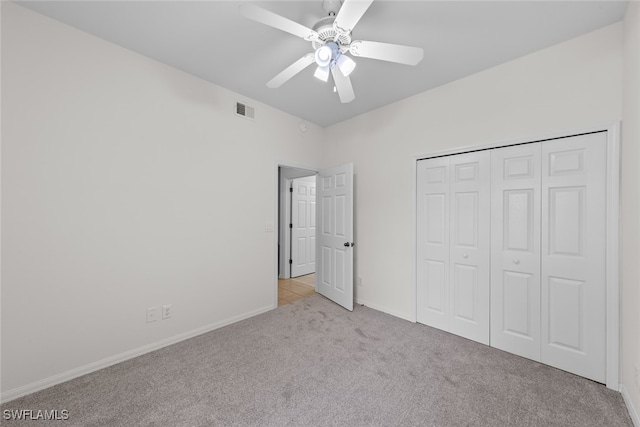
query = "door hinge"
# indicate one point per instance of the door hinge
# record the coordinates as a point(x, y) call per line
point(291, 190)
point(290, 225)
point(290, 261)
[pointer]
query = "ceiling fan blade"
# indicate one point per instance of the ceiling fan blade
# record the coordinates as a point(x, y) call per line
point(291, 70)
point(343, 86)
point(401, 54)
point(349, 14)
point(274, 20)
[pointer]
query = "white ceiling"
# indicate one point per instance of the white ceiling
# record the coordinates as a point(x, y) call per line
point(211, 40)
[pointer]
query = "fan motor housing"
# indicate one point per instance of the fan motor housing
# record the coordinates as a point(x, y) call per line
point(326, 33)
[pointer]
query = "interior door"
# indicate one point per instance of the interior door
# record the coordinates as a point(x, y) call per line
point(334, 237)
point(515, 250)
point(469, 245)
point(453, 244)
point(573, 254)
point(433, 242)
point(303, 226)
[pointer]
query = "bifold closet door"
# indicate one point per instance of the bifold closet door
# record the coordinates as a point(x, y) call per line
point(433, 242)
point(453, 244)
point(573, 254)
point(539, 211)
point(515, 250)
point(548, 288)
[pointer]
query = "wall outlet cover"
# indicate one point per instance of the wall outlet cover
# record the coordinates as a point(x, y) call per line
point(167, 311)
point(153, 314)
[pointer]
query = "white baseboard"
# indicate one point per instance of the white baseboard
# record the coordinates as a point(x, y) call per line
point(403, 316)
point(101, 364)
point(632, 409)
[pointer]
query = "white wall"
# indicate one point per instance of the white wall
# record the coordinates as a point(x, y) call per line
point(126, 184)
point(630, 201)
point(570, 85)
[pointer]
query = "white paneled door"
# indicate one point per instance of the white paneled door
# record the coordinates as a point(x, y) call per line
point(529, 223)
point(303, 226)
point(334, 237)
point(433, 242)
point(453, 249)
point(573, 254)
point(515, 250)
point(469, 245)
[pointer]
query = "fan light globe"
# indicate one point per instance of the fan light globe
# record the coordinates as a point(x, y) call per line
point(346, 65)
point(323, 56)
point(322, 73)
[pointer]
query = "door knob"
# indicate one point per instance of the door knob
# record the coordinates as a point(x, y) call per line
point(347, 244)
point(516, 261)
point(465, 255)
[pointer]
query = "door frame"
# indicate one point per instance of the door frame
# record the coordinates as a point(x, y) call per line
point(612, 226)
point(282, 231)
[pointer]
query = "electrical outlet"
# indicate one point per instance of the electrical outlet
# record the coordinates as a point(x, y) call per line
point(153, 314)
point(167, 311)
point(359, 281)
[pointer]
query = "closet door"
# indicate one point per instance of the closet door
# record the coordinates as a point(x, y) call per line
point(573, 254)
point(453, 244)
point(515, 250)
point(469, 253)
point(433, 243)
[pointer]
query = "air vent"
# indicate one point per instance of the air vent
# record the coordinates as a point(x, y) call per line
point(246, 111)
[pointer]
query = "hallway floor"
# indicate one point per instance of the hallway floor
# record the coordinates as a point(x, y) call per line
point(290, 290)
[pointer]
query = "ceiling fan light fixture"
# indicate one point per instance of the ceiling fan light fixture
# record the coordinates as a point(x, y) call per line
point(331, 39)
point(346, 65)
point(323, 56)
point(322, 73)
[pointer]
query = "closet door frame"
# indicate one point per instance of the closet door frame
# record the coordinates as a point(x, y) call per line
point(612, 229)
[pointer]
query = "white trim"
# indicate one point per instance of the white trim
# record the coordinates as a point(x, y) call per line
point(613, 224)
point(414, 237)
point(612, 265)
point(633, 413)
point(101, 364)
point(526, 140)
point(403, 316)
point(284, 233)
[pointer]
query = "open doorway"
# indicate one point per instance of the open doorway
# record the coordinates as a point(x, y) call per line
point(296, 237)
point(334, 239)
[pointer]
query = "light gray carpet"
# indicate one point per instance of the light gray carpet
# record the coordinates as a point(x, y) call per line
point(311, 363)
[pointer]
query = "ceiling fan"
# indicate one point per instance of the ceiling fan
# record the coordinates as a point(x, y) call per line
point(331, 40)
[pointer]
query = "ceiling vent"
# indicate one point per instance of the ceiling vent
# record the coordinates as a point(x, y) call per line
point(246, 111)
